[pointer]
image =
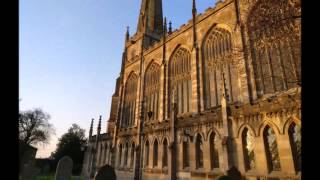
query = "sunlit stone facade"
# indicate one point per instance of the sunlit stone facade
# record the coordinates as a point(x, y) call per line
point(221, 91)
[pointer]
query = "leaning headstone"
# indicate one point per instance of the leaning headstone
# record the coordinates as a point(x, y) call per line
point(64, 169)
point(105, 172)
point(234, 173)
point(29, 172)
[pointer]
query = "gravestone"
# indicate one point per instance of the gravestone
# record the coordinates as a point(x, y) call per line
point(105, 172)
point(234, 173)
point(29, 172)
point(64, 169)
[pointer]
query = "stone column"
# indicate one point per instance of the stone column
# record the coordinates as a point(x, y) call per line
point(160, 154)
point(285, 154)
point(180, 154)
point(240, 157)
point(129, 158)
point(260, 156)
point(206, 155)
point(151, 155)
point(194, 84)
point(192, 155)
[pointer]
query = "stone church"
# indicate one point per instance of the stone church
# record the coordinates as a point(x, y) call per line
point(221, 92)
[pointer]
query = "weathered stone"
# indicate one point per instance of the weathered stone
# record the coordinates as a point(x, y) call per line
point(29, 172)
point(64, 169)
point(105, 173)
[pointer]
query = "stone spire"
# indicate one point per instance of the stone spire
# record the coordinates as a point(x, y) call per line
point(165, 26)
point(91, 128)
point(127, 34)
point(170, 27)
point(99, 126)
point(194, 15)
point(150, 17)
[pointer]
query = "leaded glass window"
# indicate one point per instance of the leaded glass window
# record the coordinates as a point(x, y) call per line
point(271, 148)
point(248, 149)
point(165, 153)
point(180, 77)
point(129, 106)
point(199, 152)
point(214, 154)
point(295, 141)
point(275, 42)
point(152, 89)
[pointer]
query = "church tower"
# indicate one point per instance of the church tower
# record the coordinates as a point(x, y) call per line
point(150, 21)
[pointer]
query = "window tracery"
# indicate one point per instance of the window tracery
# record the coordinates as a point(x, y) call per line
point(275, 45)
point(248, 149)
point(271, 148)
point(180, 75)
point(152, 91)
point(295, 142)
point(129, 106)
point(218, 58)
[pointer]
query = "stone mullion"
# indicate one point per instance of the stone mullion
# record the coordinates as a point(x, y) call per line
point(285, 154)
point(260, 155)
point(180, 155)
point(206, 155)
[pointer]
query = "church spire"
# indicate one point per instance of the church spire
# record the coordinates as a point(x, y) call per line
point(127, 34)
point(150, 17)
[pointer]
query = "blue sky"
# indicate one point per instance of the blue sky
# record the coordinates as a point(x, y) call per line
point(70, 55)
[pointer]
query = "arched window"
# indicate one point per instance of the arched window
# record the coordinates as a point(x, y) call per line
point(271, 148)
point(126, 152)
point(152, 89)
point(165, 153)
point(101, 154)
point(146, 154)
point(107, 154)
point(275, 45)
point(199, 152)
point(214, 154)
point(155, 153)
point(129, 106)
point(248, 149)
point(120, 155)
point(218, 59)
point(186, 153)
point(132, 154)
point(180, 78)
point(295, 141)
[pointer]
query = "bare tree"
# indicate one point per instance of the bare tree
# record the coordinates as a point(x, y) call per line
point(34, 127)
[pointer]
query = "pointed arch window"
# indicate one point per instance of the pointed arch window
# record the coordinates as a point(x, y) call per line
point(146, 154)
point(165, 153)
point(186, 153)
point(120, 155)
point(129, 106)
point(214, 154)
point(275, 43)
point(218, 59)
point(248, 149)
point(199, 152)
point(271, 148)
point(152, 89)
point(155, 153)
point(180, 78)
point(126, 153)
point(295, 142)
point(132, 154)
